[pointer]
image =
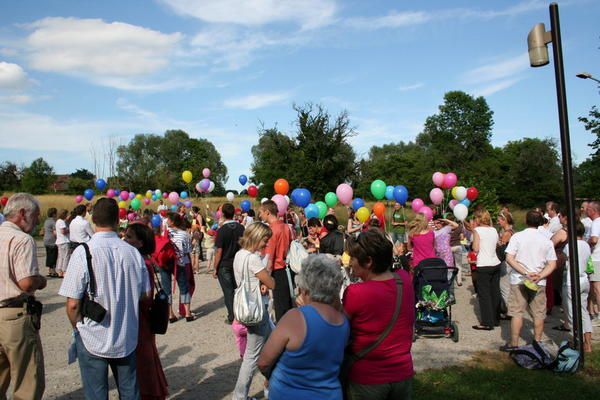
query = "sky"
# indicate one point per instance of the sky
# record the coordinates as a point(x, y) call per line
point(76, 76)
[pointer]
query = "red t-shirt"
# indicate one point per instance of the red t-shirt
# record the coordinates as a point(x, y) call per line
point(422, 247)
point(370, 306)
point(279, 244)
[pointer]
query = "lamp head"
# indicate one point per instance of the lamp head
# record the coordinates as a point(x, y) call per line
point(584, 75)
point(537, 41)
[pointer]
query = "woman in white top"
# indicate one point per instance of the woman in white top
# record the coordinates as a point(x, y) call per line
point(485, 239)
point(253, 241)
point(63, 243)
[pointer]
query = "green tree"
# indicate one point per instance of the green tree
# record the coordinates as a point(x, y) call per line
point(587, 174)
point(37, 177)
point(10, 176)
point(273, 158)
point(82, 173)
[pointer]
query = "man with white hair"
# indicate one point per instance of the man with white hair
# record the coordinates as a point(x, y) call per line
point(21, 358)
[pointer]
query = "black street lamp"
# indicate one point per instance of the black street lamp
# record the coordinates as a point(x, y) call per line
point(587, 75)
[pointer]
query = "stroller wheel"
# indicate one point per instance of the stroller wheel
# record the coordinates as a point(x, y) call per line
point(454, 332)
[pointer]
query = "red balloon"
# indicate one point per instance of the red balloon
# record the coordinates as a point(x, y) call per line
point(472, 193)
point(4, 200)
point(379, 209)
point(122, 213)
point(252, 191)
point(281, 186)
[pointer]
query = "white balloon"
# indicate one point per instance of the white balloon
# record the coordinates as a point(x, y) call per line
point(461, 211)
point(230, 196)
point(461, 193)
point(287, 199)
point(263, 200)
point(211, 187)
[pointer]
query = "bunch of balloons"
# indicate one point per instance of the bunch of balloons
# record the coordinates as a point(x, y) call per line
point(462, 197)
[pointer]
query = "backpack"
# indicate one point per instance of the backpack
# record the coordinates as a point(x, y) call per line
point(532, 356)
point(296, 255)
point(567, 359)
point(164, 256)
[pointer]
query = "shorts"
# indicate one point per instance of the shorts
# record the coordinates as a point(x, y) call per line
point(51, 256)
point(595, 277)
point(520, 297)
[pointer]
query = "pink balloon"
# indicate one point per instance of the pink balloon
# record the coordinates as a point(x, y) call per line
point(131, 216)
point(124, 195)
point(199, 188)
point(165, 195)
point(344, 193)
point(146, 201)
point(452, 203)
point(206, 172)
point(78, 199)
point(438, 179)
point(173, 197)
point(436, 195)
point(427, 213)
point(450, 180)
point(218, 214)
point(417, 204)
point(110, 193)
point(282, 204)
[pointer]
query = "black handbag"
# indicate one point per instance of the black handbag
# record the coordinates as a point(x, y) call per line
point(89, 308)
point(159, 310)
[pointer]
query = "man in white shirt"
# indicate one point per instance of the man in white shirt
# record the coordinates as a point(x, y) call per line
point(554, 224)
point(80, 230)
point(586, 221)
point(532, 257)
point(121, 282)
point(593, 212)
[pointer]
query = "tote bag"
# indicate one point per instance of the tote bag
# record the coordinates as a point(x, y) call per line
point(247, 301)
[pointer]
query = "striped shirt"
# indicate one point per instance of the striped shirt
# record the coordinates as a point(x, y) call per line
point(183, 245)
point(18, 260)
point(121, 279)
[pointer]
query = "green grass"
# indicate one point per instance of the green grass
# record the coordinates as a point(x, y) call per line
point(495, 376)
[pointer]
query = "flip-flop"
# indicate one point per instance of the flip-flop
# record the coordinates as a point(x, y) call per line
point(561, 328)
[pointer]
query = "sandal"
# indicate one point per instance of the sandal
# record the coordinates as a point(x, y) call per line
point(483, 327)
point(507, 348)
point(173, 320)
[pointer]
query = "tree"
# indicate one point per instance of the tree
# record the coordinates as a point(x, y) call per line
point(82, 173)
point(37, 177)
point(587, 174)
point(273, 158)
point(10, 176)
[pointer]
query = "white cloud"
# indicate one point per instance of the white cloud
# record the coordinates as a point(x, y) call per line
point(497, 86)
point(16, 99)
point(12, 76)
point(497, 70)
point(128, 106)
point(392, 20)
point(308, 14)
point(414, 86)
point(255, 101)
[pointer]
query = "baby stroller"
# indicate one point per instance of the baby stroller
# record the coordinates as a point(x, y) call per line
point(433, 302)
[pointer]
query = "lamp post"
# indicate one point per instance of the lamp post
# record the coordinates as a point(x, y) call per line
point(537, 41)
point(587, 75)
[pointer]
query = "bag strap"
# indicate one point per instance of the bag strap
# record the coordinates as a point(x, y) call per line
point(388, 328)
point(156, 271)
point(88, 257)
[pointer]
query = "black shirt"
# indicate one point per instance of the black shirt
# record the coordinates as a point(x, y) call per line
point(228, 237)
point(332, 243)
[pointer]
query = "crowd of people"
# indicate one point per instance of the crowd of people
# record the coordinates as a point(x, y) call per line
point(342, 326)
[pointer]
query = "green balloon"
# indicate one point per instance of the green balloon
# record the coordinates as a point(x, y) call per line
point(378, 189)
point(322, 209)
point(331, 199)
point(136, 204)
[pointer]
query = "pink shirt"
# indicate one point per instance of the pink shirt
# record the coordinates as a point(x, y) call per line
point(422, 247)
point(370, 306)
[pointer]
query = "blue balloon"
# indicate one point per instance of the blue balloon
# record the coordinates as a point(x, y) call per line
point(174, 208)
point(154, 197)
point(100, 184)
point(245, 205)
point(156, 221)
point(293, 195)
point(302, 198)
point(357, 203)
point(389, 192)
point(401, 194)
point(214, 227)
point(311, 211)
point(243, 179)
point(88, 194)
point(466, 202)
point(117, 192)
point(183, 195)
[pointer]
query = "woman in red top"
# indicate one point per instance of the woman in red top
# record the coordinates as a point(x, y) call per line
point(386, 372)
point(150, 375)
point(421, 240)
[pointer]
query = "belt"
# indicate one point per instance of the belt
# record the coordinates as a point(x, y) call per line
point(14, 303)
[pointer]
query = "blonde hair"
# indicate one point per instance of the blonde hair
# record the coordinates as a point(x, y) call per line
point(483, 217)
point(253, 234)
point(417, 225)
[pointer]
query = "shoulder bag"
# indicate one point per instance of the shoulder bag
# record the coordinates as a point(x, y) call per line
point(247, 301)
point(90, 308)
point(159, 310)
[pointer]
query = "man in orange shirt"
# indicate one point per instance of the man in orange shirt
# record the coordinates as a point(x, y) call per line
point(276, 251)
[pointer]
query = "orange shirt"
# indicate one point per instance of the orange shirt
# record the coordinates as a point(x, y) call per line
point(279, 244)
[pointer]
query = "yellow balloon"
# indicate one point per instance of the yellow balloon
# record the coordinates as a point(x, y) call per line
point(187, 176)
point(122, 204)
point(139, 196)
point(454, 192)
point(149, 194)
point(363, 214)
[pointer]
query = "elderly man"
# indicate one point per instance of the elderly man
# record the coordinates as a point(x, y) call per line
point(21, 357)
point(121, 281)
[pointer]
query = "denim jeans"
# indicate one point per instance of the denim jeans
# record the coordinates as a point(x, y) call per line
point(166, 280)
point(228, 285)
point(94, 374)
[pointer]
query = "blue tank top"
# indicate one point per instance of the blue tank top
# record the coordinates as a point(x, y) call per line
point(311, 372)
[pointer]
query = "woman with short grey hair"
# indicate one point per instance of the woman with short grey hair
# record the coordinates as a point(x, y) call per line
point(306, 349)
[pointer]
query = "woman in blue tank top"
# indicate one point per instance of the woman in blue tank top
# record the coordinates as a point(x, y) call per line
point(309, 341)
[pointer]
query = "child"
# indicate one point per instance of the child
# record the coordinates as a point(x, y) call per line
point(209, 245)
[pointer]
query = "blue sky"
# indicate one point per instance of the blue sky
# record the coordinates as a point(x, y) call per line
point(79, 75)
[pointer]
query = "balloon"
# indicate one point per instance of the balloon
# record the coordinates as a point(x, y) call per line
point(459, 192)
point(139, 196)
point(165, 195)
point(122, 204)
point(263, 200)
point(357, 203)
point(322, 209)
point(131, 216)
point(311, 211)
point(287, 199)
point(245, 205)
point(389, 193)
point(158, 193)
point(206, 172)
point(243, 179)
point(302, 198)
point(156, 221)
point(78, 198)
point(3, 200)
point(154, 198)
point(110, 193)
point(461, 211)
point(205, 184)
point(438, 179)
point(452, 203)
point(117, 192)
point(184, 195)
point(218, 214)
point(122, 213)
point(281, 186)
point(173, 197)
point(427, 213)
point(252, 191)
point(436, 195)
point(199, 188)
point(417, 204)
point(88, 194)
point(136, 204)
point(146, 201)
point(472, 193)
point(282, 204)
point(188, 203)
point(331, 199)
point(100, 184)
point(173, 208)
point(230, 196)
point(466, 202)
point(378, 189)
point(131, 195)
point(449, 180)
point(187, 176)
point(149, 194)
point(379, 209)
point(344, 193)
point(211, 186)
point(400, 194)
point(363, 214)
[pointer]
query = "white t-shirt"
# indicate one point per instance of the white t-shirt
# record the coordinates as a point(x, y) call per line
point(488, 239)
point(60, 237)
point(587, 224)
point(583, 253)
point(595, 232)
point(533, 250)
point(245, 258)
point(554, 225)
point(80, 231)
point(545, 231)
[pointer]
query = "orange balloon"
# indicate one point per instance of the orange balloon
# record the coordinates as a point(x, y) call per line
point(282, 186)
point(379, 209)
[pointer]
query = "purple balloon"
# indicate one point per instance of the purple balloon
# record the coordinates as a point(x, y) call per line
point(131, 195)
point(187, 203)
point(205, 184)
